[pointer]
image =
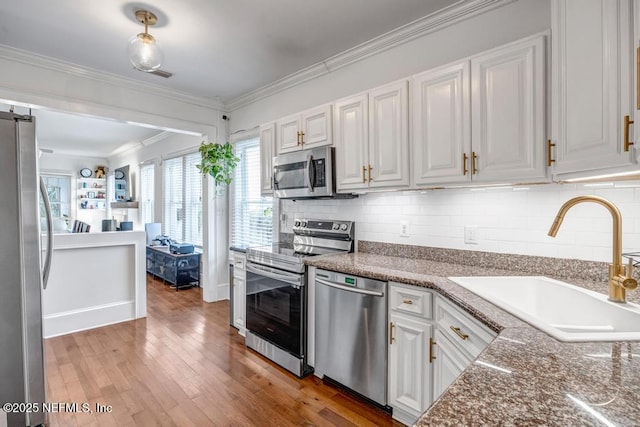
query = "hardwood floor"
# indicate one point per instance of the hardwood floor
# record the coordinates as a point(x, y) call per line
point(185, 366)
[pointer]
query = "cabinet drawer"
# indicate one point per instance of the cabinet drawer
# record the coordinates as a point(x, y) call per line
point(411, 300)
point(461, 329)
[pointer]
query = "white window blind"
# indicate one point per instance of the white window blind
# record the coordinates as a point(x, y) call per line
point(252, 214)
point(147, 189)
point(182, 219)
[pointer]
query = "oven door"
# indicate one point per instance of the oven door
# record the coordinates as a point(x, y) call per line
point(276, 306)
point(306, 173)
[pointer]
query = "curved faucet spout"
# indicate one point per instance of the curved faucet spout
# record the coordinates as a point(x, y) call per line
point(619, 278)
point(615, 214)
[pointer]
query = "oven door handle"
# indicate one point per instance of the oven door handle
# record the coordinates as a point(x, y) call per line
point(292, 279)
point(308, 172)
point(349, 288)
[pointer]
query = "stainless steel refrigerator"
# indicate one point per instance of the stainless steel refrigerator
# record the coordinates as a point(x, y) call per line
point(22, 377)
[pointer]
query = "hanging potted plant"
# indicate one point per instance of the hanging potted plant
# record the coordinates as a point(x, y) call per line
point(219, 161)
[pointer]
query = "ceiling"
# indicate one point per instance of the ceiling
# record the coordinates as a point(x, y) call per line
point(217, 49)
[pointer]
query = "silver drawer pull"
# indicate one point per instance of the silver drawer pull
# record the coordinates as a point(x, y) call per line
point(407, 301)
point(459, 332)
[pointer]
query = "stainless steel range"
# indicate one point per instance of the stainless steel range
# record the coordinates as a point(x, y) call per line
point(277, 290)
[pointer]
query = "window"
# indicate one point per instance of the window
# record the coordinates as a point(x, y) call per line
point(182, 220)
point(252, 214)
point(59, 191)
point(147, 188)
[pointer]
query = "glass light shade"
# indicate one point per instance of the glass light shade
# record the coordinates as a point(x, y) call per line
point(144, 52)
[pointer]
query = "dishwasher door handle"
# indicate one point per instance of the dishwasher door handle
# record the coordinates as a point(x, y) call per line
point(350, 289)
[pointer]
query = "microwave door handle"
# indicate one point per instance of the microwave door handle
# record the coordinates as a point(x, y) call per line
point(308, 173)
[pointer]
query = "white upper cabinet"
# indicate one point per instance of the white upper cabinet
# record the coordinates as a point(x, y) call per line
point(309, 129)
point(441, 125)
point(351, 141)
point(267, 151)
point(483, 119)
point(508, 113)
point(371, 139)
point(388, 164)
point(591, 84)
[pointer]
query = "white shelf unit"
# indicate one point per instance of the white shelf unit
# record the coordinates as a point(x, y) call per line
point(92, 193)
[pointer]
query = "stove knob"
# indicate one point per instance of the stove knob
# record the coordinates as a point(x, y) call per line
point(335, 226)
point(343, 227)
point(304, 223)
point(297, 223)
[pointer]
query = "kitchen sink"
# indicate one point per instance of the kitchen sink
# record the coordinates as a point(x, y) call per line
point(564, 311)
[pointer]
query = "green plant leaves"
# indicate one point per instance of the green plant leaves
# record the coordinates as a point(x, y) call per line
point(219, 161)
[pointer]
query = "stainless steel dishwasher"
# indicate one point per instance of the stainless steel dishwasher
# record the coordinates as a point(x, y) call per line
point(351, 332)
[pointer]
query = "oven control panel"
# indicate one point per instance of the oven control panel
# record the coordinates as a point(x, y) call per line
point(303, 226)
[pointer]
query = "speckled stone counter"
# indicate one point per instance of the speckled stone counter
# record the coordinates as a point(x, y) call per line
point(540, 381)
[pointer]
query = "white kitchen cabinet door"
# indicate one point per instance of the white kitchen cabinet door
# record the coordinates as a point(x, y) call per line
point(351, 142)
point(389, 136)
point(441, 142)
point(448, 364)
point(239, 292)
point(316, 127)
point(591, 83)
point(309, 129)
point(508, 113)
point(267, 151)
point(287, 134)
point(409, 366)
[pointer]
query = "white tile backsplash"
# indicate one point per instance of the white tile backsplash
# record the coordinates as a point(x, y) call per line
point(509, 220)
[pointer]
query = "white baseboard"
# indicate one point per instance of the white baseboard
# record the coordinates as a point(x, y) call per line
point(88, 318)
point(223, 291)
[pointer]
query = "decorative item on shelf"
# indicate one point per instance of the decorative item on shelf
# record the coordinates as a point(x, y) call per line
point(84, 204)
point(91, 195)
point(86, 173)
point(219, 161)
point(101, 171)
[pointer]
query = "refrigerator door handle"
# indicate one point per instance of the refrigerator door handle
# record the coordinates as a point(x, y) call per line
point(47, 208)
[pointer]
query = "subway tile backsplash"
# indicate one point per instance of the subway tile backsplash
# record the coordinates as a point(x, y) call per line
point(507, 220)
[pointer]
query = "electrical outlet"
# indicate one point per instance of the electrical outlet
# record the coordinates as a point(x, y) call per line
point(471, 235)
point(404, 229)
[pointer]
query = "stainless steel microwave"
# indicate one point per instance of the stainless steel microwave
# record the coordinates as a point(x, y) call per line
point(304, 174)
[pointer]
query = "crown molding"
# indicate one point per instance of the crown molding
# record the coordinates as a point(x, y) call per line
point(436, 21)
point(46, 62)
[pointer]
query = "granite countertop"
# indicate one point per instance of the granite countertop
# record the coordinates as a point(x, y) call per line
point(541, 381)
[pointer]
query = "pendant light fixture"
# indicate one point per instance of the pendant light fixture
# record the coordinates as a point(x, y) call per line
point(144, 52)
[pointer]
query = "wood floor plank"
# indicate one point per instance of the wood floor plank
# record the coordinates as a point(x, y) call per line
point(184, 365)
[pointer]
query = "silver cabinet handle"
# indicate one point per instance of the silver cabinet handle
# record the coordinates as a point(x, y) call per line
point(47, 208)
point(349, 289)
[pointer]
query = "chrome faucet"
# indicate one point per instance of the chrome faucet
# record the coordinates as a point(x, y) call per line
point(620, 279)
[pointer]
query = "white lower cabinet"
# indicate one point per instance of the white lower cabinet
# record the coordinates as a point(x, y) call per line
point(448, 363)
point(239, 292)
point(409, 371)
point(459, 339)
point(431, 342)
point(410, 333)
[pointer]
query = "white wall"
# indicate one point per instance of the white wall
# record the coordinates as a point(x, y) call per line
point(509, 220)
point(174, 143)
